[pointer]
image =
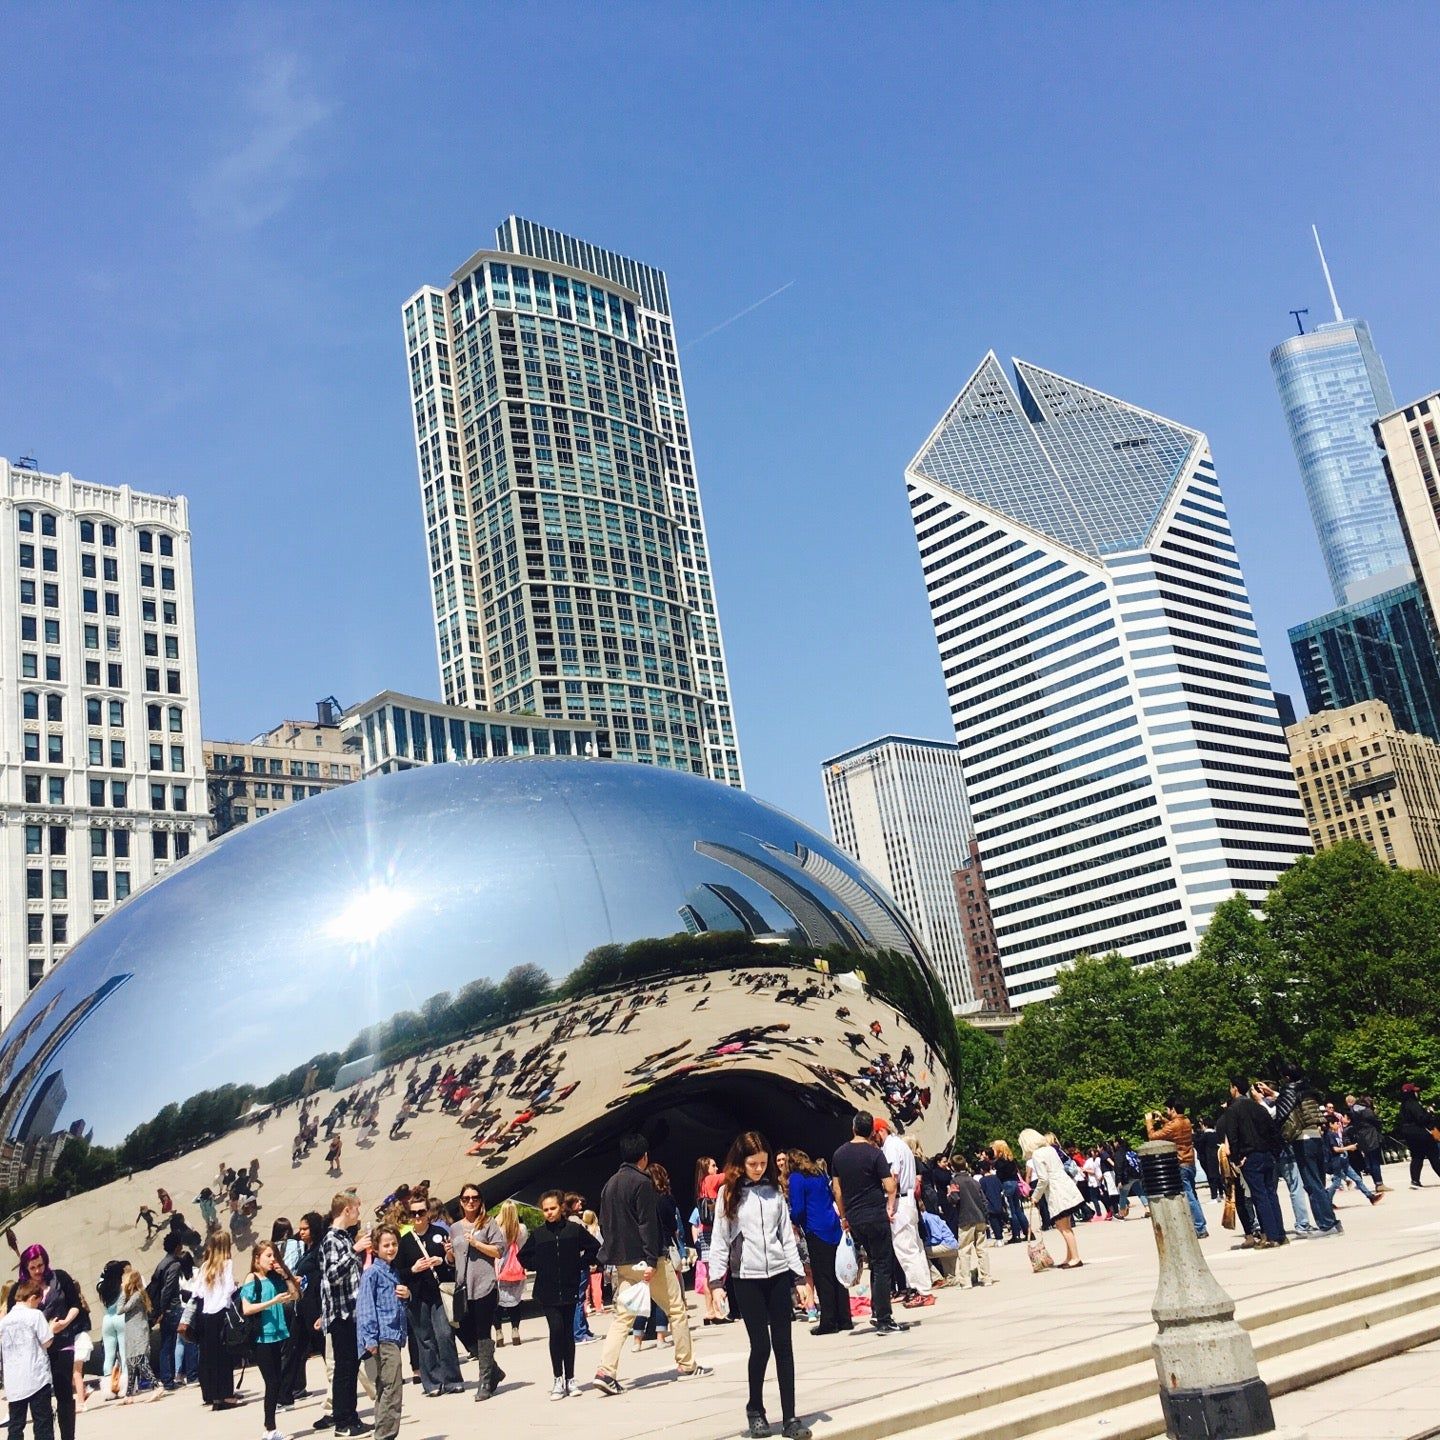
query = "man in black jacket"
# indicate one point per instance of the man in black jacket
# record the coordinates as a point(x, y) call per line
point(1368, 1134)
point(1249, 1130)
point(165, 1302)
point(425, 1259)
point(630, 1227)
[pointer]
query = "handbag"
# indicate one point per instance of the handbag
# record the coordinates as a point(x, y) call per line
point(847, 1262)
point(1040, 1256)
point(702, 1277)
point(1227, 1215)
point(682, 1260)
point(511, 1271)
point(1024, 1190)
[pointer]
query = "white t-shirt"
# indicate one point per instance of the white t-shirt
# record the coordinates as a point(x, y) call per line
point(902, 1164)
point(23, 1334)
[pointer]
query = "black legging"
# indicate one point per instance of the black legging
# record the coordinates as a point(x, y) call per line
point(1422, 1147)
point(561, 1320)
point(479, 1321)
point(832, 1297)
point(765, 1309)
point(270, 1362)
point(62, 1383)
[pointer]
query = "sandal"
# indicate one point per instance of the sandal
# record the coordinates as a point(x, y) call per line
point(1077, 1265)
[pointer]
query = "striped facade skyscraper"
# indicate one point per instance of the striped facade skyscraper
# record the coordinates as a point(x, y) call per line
point(1122, 753)
point(570, 573)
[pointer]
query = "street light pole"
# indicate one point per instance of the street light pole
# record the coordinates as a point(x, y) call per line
point(1210, 1385)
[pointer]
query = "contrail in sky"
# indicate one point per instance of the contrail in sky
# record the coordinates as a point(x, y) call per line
point(739, 315)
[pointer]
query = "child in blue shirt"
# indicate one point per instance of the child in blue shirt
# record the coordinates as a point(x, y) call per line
point(381, 1327)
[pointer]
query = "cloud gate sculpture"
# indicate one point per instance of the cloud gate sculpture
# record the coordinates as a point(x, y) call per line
point(546, 952)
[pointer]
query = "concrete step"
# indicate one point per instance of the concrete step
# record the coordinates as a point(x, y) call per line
point(1143, 1420)
point(1102, 1378)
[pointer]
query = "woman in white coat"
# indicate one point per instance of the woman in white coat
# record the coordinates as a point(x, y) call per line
point(753, 1241)
point(1054, 1185)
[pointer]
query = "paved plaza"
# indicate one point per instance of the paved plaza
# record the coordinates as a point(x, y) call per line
point(1024, 1323)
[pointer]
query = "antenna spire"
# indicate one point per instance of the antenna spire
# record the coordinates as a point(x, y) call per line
point(1330, 284)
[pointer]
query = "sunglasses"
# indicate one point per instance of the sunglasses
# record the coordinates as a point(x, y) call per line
point(469, 1199)
point(419, 1212)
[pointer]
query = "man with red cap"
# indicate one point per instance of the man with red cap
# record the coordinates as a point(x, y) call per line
point(905, 1222)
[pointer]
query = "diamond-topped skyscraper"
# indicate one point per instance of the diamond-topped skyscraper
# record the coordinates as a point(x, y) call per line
point(1122, 752)
point(570, 574)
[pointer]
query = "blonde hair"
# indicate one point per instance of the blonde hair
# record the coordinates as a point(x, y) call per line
point(1031, 1141)
point(1002, 1150)
point(132, 1282)
point(589, 1218)
point(508, 1219)
point(217, 1254)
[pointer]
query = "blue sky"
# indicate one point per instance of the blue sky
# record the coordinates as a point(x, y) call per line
point(214, 214)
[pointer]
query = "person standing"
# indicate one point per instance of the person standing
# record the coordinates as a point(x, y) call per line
point(1056, 1189)
point(754, 1242)
point(63, 1309)
point(1301, 1120)
point(812, 1207)
point(630, 1225)
point(214, 1285)
point(425, 1259)
point(863, 1190)
point(478, 1244)
point(135, 1313)
point(165, 1298)
point(511, 1284)
point(905, 1218)
point(1177, 1129)
point(1417, 1126)
point(381, 1327)
point(268, 1288)
point(560, 1253)
point(1253, 1138)
point(25, 1339)
point(342, 1253)
point(707, 1185)
point(972, 1224)
point(1007, 1172)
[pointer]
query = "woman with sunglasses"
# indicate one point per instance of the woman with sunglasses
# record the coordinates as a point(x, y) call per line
point(478, 1244)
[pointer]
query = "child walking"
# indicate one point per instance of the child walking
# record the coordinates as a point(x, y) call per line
point(24, 1339)
point(381, 1329)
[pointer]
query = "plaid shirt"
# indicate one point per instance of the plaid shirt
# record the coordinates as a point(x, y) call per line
point(379, 1317)
point(339, 1276)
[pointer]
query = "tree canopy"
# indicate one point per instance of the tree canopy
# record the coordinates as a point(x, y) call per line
point(1340, 972)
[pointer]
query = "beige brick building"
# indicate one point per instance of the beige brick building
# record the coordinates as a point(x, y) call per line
point(1410, 449)
point(249, 779)
point(1362, 779)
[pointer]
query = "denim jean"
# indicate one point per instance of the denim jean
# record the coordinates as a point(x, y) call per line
point(1313, 1157)
point(1348, 1172)
point(1260, 1176)
point(1011, 1191)
point(1187, 1177)
point(169, 1333)
point(1290, 1173)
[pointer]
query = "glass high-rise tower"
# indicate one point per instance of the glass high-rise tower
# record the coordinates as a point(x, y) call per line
point(1333, 386)
point(570, 573)
point(1122, 754)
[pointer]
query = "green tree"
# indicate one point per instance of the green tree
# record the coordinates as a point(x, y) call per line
point(1103, 1108)
point(979, 1067)
point(1381, 1054)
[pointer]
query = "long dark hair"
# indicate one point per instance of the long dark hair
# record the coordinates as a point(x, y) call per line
point(752, 1142)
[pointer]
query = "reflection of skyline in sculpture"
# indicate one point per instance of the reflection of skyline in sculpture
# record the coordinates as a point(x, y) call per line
point(819, 926)
point(13, 1101)
point(884, 923)
point(722, 907)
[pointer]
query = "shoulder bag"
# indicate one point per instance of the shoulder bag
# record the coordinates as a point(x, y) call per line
point(460, 1300)
point(511, 1271)
point(1040, 1256)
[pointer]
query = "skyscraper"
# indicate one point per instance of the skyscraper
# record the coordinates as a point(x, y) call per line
point(1333, 387)
point(1378, 649)
point(1123, 760)
point(570, 574)
point(898, 806)
point(100, 691)
point(1410, 453)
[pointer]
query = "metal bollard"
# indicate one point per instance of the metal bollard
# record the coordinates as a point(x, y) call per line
point(1210, 1385)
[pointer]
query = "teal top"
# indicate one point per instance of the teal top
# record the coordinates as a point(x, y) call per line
point(273, 1326)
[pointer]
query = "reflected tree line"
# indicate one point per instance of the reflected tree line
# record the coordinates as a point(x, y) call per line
point(480, 1006)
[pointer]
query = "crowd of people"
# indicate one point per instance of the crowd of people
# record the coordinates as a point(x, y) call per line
point(774, 1236)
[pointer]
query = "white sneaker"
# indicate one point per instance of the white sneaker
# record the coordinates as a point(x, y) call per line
point(558, 1389)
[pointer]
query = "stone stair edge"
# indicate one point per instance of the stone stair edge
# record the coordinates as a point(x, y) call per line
point(1014, 1382)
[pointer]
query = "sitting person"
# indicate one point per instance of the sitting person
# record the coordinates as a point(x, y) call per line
point(941, 1247)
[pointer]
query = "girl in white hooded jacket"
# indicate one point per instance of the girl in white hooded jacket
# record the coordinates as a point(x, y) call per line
point(754, 1243)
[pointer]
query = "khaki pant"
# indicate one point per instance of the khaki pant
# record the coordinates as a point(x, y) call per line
point(974, 1254)
point(389, 1375)
point(666, 1292)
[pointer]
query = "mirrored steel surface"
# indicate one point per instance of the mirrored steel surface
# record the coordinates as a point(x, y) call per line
point(389, 931)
